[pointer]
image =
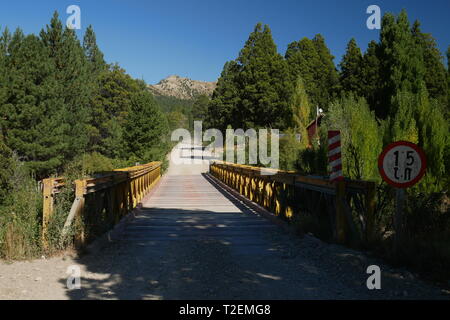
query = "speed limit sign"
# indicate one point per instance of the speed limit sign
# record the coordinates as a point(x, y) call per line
point(402, 164)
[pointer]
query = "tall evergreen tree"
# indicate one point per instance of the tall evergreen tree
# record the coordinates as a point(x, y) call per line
point(200, 107)
point(327, 73)
point(110, 109)
point(263, 83)
point(402, 66)
point(92, 51)
point(448, 79)
point(225, 98)
point(74, 84)
point(312, 60)
point(146, 129)
point(351, 76)
point(435, 73)
point(371, 80)
point(33, 128)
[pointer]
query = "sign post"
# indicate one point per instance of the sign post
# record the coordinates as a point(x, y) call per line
point(401, 164)
point(334, 155)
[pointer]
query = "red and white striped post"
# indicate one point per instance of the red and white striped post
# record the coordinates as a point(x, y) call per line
point(334, 155)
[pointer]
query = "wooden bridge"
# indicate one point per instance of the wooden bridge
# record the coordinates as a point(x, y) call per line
point(198, 199)
point(211, 230)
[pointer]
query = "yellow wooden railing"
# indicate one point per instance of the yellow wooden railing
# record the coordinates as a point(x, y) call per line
point(103, 200)
point(349, 204)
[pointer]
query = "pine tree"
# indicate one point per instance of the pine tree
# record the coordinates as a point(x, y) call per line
point(33, 128)
point(312, 60)
point(200, 108)
point(110, 108)
point(303, 61)
point(448, 79)
point(371, 81)
point(225, 98)
point(402, 67)
point(74, 84)
point(327, 74)
point(146, 129)
point(5, 166)
point(435, 73)
point(263, 83)
point(92, 52)
point(351, 77)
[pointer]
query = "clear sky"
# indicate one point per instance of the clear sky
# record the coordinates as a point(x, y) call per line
point(194, 38)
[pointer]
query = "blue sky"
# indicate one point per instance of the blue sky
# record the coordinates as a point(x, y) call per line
point(194, 38)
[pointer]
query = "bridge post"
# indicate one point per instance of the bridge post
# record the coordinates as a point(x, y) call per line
point(47, 208)
point(370, 212)
point(80, 189)
point(341, 221)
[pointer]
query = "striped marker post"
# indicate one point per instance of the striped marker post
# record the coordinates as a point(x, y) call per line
point(334, 155)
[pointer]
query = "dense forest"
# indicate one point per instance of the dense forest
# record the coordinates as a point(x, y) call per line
point(397, 90)
point(64, 111)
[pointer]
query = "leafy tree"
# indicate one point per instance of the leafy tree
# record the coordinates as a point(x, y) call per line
point(177, 119)
point(351, 76)
point(301, 111)
point(361, 138)
point(403, 125)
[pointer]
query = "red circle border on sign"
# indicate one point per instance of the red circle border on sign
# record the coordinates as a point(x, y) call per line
point(422, 169)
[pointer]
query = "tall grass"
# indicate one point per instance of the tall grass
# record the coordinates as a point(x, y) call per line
point(20, 215)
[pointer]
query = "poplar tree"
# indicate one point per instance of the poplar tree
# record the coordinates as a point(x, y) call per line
point(301, 111)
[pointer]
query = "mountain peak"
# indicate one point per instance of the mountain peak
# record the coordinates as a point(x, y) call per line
point(182, 88)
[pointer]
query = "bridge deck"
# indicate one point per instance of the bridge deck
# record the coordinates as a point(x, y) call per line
point(190, 207)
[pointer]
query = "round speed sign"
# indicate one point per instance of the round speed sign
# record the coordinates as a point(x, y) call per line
point(402, 164)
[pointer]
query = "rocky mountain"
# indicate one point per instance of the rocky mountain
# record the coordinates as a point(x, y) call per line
point(182, 88)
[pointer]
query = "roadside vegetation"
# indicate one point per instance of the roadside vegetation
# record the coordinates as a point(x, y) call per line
point(398, 89)
point(64, 111)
